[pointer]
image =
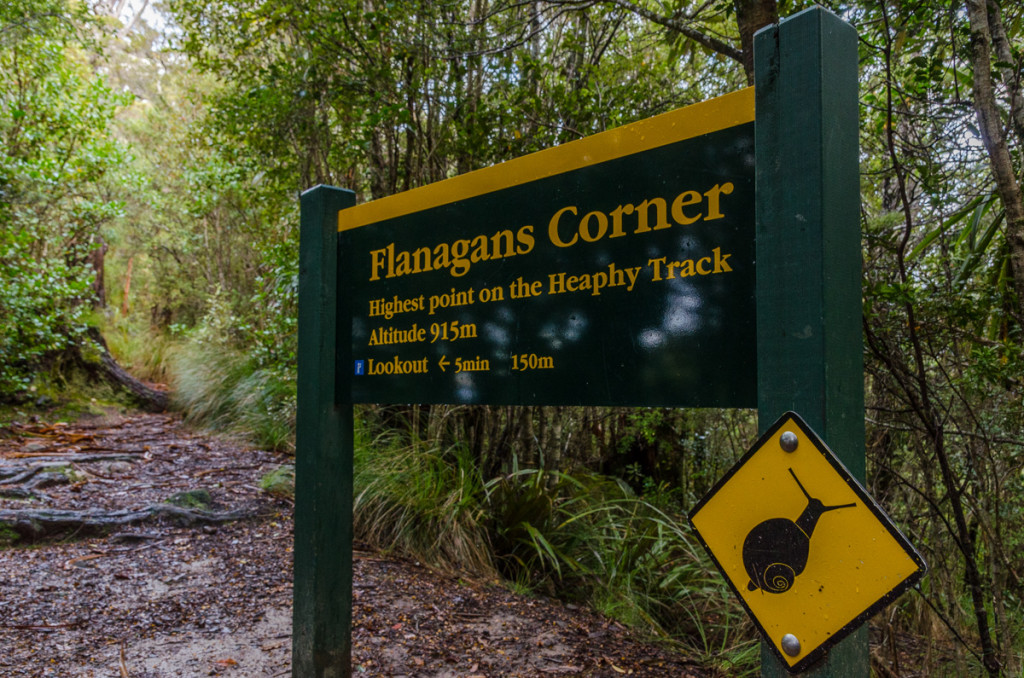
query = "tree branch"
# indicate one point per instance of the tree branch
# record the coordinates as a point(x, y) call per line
point(672, 23)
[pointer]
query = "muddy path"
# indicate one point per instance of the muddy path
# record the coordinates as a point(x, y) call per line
point(164, 595)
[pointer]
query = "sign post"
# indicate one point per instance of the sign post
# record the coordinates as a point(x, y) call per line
point(322, 598)
point(808, 251)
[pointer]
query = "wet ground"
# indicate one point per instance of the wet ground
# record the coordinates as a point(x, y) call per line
point(159, 599)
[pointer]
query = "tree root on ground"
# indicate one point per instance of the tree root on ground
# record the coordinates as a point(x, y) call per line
point(17, 493)
point(15, 473)
point(35, 524)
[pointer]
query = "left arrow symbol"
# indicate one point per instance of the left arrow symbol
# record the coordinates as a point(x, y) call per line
point(443, 363)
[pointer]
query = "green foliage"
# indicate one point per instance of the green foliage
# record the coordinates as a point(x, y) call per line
point(57, 152)
point(591, 537)
point(41, 307)
point(942, 324)
point(273, 332)
point(427, 92)
point(138, 347)
point(526, 510)
point(687, 450)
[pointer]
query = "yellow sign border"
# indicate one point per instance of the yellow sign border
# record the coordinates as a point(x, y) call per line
point(706, 117)
point(903, 579)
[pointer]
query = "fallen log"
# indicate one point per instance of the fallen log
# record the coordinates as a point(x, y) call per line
point(108, 368)
point(35, 524)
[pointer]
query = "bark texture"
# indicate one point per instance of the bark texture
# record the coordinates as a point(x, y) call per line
point(993, 133)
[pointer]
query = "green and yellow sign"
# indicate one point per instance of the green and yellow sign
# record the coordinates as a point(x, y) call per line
point(619, 270)
point(614, 270)
point(806, 549)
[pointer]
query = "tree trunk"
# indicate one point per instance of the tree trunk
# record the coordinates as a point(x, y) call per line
point(127, 287)
point(993, 136)
point(752, 16)
point(1009, 73)
point(96, 261)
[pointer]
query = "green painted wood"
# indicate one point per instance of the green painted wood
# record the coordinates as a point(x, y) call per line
point(808, 251)
point(322, 613)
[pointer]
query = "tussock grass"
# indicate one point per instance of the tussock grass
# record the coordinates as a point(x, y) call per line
point(583, 537)
point(421, 501)
point(590, 537)
point(220, 388)
point(140, 349)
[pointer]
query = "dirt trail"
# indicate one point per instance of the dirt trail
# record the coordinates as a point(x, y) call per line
point(160, 599)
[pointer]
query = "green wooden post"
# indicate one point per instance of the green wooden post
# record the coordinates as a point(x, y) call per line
point(808, 251)
point(322, 612)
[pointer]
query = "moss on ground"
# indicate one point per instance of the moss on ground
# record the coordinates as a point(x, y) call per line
point(7, 536)
point(191, 499)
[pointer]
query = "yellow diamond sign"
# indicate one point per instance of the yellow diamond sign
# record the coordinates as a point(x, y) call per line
point(808, 551)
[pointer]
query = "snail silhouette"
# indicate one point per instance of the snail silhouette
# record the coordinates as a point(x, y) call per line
point(775, 551)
